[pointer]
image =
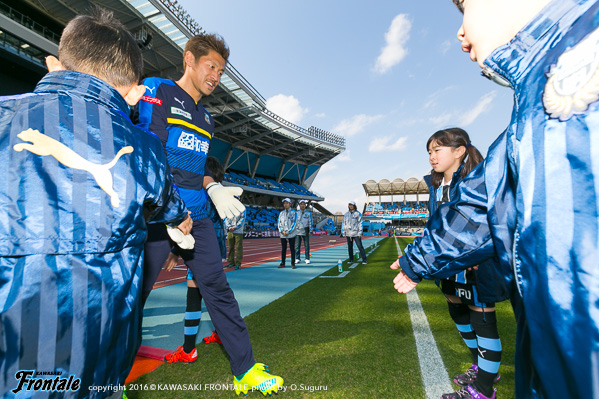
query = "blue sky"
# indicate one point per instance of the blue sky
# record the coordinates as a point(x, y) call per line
point(384, 74)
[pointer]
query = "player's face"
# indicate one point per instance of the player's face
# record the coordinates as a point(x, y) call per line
point(302, 206)
point(286, 205)
point(207, 71)
point(351, 207)
point(443, 159)
point(487, 24)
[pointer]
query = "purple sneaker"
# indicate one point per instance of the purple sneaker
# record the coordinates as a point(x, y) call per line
point(468, 393)
point(469, 377)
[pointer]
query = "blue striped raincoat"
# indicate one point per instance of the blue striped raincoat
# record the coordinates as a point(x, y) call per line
point(78, 182)
point(535, 202)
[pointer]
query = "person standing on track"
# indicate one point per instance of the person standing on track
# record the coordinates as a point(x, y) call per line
point(304, 229)
point(234, 228)
point(351, 228)
point(287, 221)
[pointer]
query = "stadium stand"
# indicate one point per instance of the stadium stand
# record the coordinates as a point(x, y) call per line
point(405, 217)
point(270, 157)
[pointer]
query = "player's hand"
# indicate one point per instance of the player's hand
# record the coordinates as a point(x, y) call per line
point(395, 265)
point(224, 200)
point(473, 268)
point(184, 241)
point(403, 284)
point(186, 225)
point(171, 262)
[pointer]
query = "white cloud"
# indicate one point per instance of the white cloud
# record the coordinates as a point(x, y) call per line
point(320, 115)
point(483, 105)
point(441, 120)
point(344, 156)
point(433, 98)
point(445, 46)
point(394, 50)
point(334, 163)
point(380, 144)
point(287, 107)
point(327, 167)
point(354, 125)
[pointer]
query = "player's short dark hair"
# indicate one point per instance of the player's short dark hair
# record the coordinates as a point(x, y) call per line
point(216, 169)
point(455, 137)
point(200, 45)
point(100, 45)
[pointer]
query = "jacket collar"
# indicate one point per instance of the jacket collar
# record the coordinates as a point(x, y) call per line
point(511, 61)
point(83, 85)
point(428, 179)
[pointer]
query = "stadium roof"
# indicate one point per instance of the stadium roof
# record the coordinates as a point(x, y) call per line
point(253, 139)
point(412, 186)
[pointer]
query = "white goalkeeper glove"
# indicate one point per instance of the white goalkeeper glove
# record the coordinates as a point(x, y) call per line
point(224, 200)
point(184, 241)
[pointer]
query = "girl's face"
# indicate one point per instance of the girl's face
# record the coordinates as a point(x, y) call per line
point(443, 158)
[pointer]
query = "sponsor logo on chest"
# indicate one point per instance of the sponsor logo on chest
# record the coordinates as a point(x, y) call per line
point(178, 111)
point(190, 141)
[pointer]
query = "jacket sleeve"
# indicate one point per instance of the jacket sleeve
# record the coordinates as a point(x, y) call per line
point(457, 235)
point(360, 225)
point(294, 221)
point(163, 203)
point(237, 221)
point(279, 223)
point(343, 226)
point(311, 223)
point(152, 115)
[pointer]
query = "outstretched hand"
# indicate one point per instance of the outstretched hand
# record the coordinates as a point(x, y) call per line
point(403, 284)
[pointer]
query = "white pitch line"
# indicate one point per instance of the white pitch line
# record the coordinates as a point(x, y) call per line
point(434, 374)
point(341, 275)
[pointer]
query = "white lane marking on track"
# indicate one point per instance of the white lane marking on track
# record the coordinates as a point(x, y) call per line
point(434, 374)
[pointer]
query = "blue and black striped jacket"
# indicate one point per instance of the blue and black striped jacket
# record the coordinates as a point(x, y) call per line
point(79, 180)
point(486, 279)
point(534, 202)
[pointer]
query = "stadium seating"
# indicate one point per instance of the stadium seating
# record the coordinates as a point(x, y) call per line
point(267, 184)
point(412, 209)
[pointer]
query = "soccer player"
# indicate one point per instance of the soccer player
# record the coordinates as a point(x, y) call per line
point(534, 201)
point(173, 111)
point(304, 228)
point(78, 180)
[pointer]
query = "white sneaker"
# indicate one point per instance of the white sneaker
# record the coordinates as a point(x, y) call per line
point(297, 261)
point(307, 261)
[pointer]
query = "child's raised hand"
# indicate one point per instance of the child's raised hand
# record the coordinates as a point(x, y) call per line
point(171, 262)
point(403, 284)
